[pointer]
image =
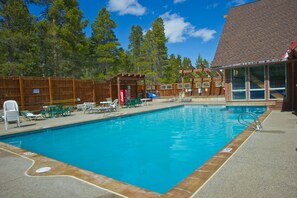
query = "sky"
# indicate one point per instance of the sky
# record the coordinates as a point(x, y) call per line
point(192, 27)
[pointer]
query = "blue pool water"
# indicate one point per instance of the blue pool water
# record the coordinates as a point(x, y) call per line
point(154, 150)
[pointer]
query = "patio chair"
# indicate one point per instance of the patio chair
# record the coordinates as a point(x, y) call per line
point(113, 106)
point(138, 102)
point(11, 113)
point(130, 103)
point(31, 116)
point(62, 110)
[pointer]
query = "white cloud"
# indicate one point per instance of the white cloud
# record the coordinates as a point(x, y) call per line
point(126, 7)
point(178, 30)
point(236, 2)
point(175, 27)
point(212, 6)
point(205, 34)
point(178, 1)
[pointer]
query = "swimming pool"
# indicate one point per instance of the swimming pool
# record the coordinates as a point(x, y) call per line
point(154, 150)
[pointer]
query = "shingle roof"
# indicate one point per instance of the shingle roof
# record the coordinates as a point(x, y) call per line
point(257, 32)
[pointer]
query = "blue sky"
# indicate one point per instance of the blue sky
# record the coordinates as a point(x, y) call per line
point(192, 26)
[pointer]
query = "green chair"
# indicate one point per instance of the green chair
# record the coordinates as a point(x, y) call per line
point(130, 103)
point(138, 102)
point(46, 113)
point(62, 111)
point(68, 110)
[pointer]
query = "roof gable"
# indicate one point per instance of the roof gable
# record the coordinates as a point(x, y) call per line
point(257, 32)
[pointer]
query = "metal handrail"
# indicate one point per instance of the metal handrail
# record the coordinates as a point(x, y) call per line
point(258, 125)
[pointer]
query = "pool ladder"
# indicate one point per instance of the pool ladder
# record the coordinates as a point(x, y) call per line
point(255, 124)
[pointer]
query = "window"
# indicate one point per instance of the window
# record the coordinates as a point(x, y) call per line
point(180, 85)
point(205, 84)
point(163, 87)
point(198, 84)
point(277, 81)
point(257, 78)
point(238, 84)
point(187, 85)
point(219, 84)
point(169, 87)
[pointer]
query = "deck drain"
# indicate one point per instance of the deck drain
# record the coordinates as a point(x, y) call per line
point(29, 154)
point(227, 150)
point(43, 169)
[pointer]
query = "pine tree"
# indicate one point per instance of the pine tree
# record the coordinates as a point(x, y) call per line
point(136, 39)
point(201, 62)
point(171, 72)
point(205, 63)
point(17, 43)
point(104, 44)
point(147, 58)
point(124, 62)
point(179, 63)
point(65, 38)
point(186, 64)
point(160, 49)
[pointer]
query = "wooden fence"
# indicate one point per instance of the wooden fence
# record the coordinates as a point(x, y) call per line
point(31, 93)
point(207, 88)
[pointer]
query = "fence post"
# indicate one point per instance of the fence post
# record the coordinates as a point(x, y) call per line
point(50, 90)
point(144, 89)
point(211, 88)
point(73, 91)
point(21, 84)
point(174, 89)
point(94, 92)
point(110, 89)
point(119, 88)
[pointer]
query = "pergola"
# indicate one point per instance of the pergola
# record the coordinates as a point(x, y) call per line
point(202, 73)
point(122, 81)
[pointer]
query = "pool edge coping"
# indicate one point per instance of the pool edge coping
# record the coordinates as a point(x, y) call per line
point(192, 184)
point(188, 187)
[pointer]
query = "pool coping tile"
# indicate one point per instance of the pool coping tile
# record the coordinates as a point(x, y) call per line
point(186, 188)
point(190, 186)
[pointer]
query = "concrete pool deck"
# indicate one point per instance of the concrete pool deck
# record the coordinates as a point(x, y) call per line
point(265, 164)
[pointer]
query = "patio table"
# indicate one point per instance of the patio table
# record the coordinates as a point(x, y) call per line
point(105, 103)
point(50, 109)
point(145, 100)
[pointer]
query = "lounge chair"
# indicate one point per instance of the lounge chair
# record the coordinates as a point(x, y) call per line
point(152, 95)
point(30, 116)
point(85, 106)
point(112, 107)
point(11, 113)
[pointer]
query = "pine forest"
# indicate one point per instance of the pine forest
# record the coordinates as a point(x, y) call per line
point(54, 44)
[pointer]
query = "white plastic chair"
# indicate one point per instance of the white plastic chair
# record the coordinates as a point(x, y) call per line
point(113, 105)
point(11, 113)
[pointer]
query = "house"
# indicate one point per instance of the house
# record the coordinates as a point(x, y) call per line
point(258, 53)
